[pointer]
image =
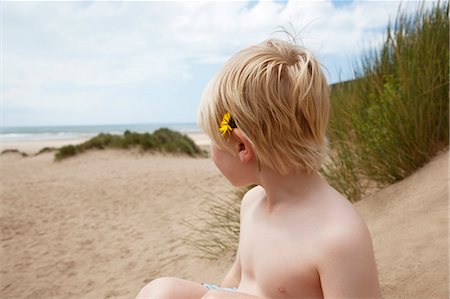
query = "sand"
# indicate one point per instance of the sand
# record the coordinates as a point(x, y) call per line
point(102, 224)
point(409, 226)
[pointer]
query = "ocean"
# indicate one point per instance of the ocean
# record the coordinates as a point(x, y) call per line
point(74, 132)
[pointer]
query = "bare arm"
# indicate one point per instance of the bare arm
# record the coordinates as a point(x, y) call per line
point(233, 276)
point(231, 280)
point(348, 268)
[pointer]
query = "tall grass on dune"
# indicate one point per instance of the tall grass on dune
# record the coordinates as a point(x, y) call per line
point(215, 233)
point(394, 116)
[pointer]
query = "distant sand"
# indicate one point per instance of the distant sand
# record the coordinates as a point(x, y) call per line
point(102, 224)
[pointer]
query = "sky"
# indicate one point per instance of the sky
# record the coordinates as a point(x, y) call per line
point(91, 63)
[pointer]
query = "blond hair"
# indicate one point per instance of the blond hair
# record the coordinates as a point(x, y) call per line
point(277, 95)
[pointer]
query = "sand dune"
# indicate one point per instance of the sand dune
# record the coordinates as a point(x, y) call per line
point(102, 224)
point(409, 226)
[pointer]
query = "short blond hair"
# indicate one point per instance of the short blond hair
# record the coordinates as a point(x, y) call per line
point(277, 95)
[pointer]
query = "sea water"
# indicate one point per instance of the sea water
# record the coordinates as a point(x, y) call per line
point(75, 132)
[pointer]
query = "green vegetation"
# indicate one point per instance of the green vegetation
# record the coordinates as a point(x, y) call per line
point(216, 233)
point(14, 151)
point(46, 150)
point(23, 154)
point(394, 117)
point(162, 140)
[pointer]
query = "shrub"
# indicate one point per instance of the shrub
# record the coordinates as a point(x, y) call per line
point(65, 152)
point(147, 141)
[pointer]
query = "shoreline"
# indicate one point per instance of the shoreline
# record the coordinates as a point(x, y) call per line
point(32, 147)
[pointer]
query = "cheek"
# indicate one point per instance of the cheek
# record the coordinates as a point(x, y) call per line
point(218, 157)
point(215, 155)
point(223, 161)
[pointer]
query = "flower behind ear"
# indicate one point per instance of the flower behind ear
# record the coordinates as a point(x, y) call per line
point(227, 124)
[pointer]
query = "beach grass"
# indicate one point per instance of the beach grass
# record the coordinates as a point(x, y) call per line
point(393, 118)
point(214, 233)
point(46, 150)
point(162, 140)
point(14, 151)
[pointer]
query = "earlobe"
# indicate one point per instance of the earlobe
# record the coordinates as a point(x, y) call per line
point(243, 156)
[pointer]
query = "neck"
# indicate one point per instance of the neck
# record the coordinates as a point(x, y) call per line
point(294, 187)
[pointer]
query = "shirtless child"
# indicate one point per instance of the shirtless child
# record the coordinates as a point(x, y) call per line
point(266, 113)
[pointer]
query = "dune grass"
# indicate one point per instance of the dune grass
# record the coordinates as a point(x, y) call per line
point(14, 151)
point(46, 150)
point(163, 140)
point(394, 117)
point(215, 232)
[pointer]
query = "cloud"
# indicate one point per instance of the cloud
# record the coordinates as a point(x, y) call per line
point(96, 50)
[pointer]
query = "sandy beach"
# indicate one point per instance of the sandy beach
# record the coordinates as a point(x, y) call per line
point(102, 224)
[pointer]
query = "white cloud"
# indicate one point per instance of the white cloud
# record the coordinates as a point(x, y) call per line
point(97, 47)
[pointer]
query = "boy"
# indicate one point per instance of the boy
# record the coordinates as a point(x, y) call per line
point(266, 113)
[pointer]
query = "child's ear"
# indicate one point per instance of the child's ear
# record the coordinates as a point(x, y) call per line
point(243, 147)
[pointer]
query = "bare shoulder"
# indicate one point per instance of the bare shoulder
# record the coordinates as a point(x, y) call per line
point(345, 257)
point(351, 221)
point(343, 226)
point(252, 197)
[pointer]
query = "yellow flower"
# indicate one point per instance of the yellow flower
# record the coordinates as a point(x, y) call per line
point(227, 124)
